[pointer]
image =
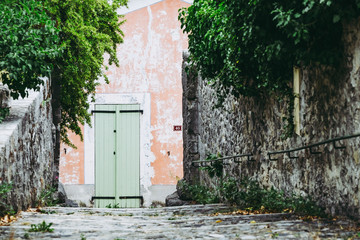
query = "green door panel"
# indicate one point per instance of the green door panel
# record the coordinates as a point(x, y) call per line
point(128, 148)
point(117, 155)
point(105, 147)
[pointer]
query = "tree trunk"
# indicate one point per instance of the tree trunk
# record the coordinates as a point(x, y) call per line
point(56, 108)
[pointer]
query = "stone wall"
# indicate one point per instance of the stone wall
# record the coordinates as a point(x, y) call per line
point(26, 148)
point(329, 108)
point(191, 123)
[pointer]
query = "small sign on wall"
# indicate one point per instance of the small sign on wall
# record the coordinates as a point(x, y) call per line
point(177, 127)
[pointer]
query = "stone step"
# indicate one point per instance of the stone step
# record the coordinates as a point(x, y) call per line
point(183, 222)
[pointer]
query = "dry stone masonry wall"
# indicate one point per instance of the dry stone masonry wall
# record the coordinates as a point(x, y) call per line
point(330, 107)
point(26, 148)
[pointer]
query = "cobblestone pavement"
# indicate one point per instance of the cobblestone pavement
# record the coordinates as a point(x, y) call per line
point(184, 222)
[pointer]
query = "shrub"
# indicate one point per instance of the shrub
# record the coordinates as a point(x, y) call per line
point(5, 208)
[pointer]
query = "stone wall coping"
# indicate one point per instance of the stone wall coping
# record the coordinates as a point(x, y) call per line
point(18, 109)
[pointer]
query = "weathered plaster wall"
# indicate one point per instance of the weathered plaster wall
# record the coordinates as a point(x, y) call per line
point(150, 60)
point(26, 148)
point(150, 65)
point(330, 105)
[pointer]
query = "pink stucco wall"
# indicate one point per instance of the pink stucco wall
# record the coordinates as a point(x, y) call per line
point(150, 60)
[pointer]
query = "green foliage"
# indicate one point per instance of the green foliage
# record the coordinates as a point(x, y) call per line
point(274, 235)
point(47, 211)
point(248, 194)
point(29, 42)
point(46, 198)
point(5, 208)
point(88, 31)
point(249, 47)
point(117, 205)
point(199, 193)
point(4, 112)
point(65, 38)
point(216, 167)
point(41, 227)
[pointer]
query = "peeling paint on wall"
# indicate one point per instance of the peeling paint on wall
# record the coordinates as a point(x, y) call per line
point(72, 161)
point(150, 63)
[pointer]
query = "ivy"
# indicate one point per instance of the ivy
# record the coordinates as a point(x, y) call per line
point(249, 47)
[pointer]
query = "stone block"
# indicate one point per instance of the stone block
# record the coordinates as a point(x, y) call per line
point(26, 149)
point(4, 96)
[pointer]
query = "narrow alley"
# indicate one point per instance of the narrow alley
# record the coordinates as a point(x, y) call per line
point(214, 221)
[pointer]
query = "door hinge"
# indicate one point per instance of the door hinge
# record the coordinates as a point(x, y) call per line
point(133, 197)
point(132, 111)
point(95, 197)
point(102, 111)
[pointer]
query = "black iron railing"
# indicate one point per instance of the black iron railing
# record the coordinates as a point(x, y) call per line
point(203, 163)
point(226, 160)
point(311, 146)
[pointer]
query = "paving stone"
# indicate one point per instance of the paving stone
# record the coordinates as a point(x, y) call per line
point(182, 222)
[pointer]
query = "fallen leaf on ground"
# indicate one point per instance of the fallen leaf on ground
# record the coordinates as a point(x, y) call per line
point(6, 220)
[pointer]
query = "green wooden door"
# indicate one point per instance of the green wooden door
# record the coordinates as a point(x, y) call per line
point(117, 155)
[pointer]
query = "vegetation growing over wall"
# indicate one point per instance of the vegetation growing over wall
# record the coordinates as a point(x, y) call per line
point(247, 194)
point(87, 32)
point(4, 112)
point(29, 42)
point(250, 47)
point(65, 38)
point(5, 208)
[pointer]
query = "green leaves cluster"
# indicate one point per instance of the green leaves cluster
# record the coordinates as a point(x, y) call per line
point(215, 168)
point(249, 47)
point(47, 199)
point(4, 112)
point(198, 193)
point(248, 194)
point(5, 208)
point(41, 227)
point(87, 32)
point(29, 43)
point(63, 39)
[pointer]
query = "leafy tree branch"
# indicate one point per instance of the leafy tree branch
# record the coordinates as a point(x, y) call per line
point(249, 47)
point(63, 39)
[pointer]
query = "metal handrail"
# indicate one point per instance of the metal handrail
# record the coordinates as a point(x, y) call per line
point(311, 146)
point(201, 162)
point(288, 151)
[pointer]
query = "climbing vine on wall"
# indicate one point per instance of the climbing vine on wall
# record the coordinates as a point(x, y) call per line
point(249, 47)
